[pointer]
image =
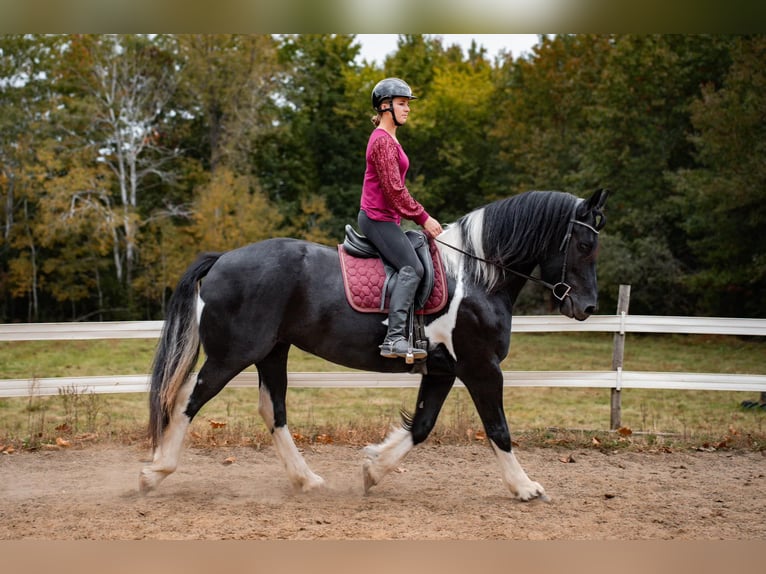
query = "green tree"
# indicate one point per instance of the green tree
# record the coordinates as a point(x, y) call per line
point(722, 200)
point(544, 105)
point(637, 135)
point(415, 60)
point(316, 146)
point(451, 152)
point(227, 83)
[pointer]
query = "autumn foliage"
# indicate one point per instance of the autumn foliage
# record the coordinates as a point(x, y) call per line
point(123, 156)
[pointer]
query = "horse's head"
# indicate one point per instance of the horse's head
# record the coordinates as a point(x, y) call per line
point(573, 270)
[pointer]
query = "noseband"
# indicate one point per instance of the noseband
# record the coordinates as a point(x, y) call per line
point(561, 289)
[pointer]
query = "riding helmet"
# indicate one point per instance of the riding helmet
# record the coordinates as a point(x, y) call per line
point(390, 88)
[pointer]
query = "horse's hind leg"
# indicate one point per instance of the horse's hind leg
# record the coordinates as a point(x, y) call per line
point(272, 389)
point(384, 457)
point(166, 453)
point(191, 397)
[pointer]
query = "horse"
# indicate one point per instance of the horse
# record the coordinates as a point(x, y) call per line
point(250, 305)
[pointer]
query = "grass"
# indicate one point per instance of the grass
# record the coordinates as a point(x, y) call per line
point(656, 418)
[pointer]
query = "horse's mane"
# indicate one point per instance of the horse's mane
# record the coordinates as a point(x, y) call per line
point(513, 232)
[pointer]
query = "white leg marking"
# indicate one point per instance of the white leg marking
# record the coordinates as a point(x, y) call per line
point(298, 471)
point(167, 453)
point(384, 457)
point(516, 479)
point(266, 407)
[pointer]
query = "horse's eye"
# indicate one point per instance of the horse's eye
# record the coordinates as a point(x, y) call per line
point(584, 247)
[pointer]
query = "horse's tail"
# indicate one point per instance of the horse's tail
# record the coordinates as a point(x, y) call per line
point(178, 348)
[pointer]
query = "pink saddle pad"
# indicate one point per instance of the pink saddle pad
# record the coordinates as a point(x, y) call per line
point(365, 278)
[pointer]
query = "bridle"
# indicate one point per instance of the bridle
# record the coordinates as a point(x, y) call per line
point(559, 290)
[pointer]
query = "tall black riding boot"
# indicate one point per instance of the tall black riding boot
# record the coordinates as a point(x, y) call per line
point(396, 344)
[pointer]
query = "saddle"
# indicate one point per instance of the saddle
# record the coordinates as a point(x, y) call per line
point(368, 279)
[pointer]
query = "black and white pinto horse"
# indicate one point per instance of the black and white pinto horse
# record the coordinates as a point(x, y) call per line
point(257, 301)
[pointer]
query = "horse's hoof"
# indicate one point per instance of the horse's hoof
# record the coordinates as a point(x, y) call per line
point(148, 480)
point(311, 482)
point(144, 485)
point(369, 481)
point(532, 491)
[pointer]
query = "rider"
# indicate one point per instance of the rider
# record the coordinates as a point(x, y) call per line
point(385, 200)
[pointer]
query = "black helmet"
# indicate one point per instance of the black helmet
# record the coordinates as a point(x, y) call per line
point(390, 88)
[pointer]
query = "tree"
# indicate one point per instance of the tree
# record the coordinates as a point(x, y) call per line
point(637, 135)
point(77, 224)
point(26, 101)
point(227, 86)
point(122, 156)
point(229, 212)
point(722, 200)
point(117, 89)
point(316, 147)
point(544, 106)
point(450, 152)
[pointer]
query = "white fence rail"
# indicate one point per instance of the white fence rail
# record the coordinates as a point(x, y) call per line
point(521, 324)
point(360, 380)
point(615, 379)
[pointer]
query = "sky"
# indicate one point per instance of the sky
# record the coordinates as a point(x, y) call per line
point(375, 47)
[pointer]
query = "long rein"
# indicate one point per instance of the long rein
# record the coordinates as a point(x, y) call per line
point(560, 290)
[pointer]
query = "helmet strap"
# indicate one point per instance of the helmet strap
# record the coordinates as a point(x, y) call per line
point(393, 113)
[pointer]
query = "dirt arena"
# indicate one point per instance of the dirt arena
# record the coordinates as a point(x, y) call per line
point(440, 492)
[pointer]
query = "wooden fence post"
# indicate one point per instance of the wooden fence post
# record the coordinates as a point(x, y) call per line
point(618, 353)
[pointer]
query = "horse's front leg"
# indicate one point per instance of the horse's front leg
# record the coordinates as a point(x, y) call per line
point(272, 391)
point(384, 457)
point(487, 394)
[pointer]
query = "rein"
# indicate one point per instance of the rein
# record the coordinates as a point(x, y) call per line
point(561, 289)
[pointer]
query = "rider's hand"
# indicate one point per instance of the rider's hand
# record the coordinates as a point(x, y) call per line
point(432, 227)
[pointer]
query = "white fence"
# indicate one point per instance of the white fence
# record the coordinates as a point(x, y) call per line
point(615, 379)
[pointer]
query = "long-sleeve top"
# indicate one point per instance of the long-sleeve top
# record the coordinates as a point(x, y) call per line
point(384, 195)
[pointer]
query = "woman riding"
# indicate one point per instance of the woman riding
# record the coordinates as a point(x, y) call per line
point(385, 201)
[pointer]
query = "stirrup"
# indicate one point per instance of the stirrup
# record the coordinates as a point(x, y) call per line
point(401, 349)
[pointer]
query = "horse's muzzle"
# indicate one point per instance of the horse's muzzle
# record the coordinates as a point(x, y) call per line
point(570, 309)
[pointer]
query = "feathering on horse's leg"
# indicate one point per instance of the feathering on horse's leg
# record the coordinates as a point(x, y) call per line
point(191, 397)
point(516, 479)
point(384, 457)
point(487, 395)
point(298, 472)
point(272, 390)
point(171, 383)
point(167, 452)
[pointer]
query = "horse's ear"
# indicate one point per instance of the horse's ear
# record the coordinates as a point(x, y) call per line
point(595, 205)
point(598, 199)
